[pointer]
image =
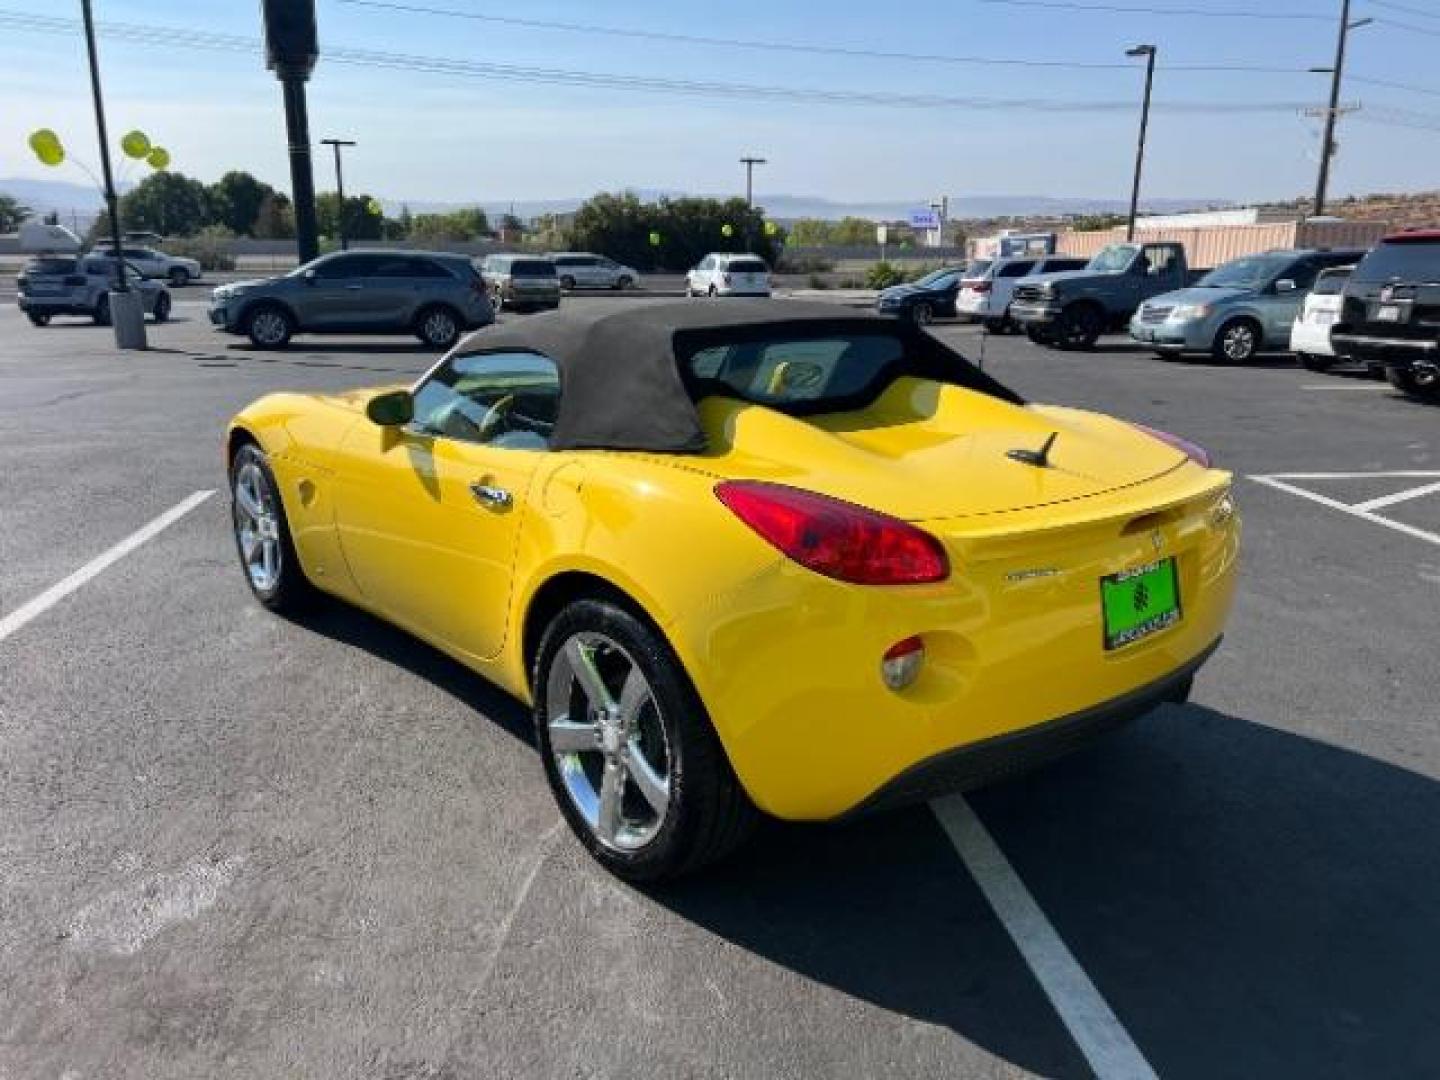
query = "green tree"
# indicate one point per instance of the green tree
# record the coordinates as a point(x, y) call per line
point(360, 223)
point(235, 201)
point(12, 213)
point(275, 219)
point(458, 225)
point(169, 203)
point(620, 226)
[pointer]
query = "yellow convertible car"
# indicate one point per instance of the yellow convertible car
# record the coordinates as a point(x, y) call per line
point(754, 557)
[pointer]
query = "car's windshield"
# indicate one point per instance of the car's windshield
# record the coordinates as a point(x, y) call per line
point(795, 370)
point(1113, 259)
point(1411, 261)
point(745, 266)
point(936, 277)
point(1251, 272)
point(532, 268)
point(51, 266)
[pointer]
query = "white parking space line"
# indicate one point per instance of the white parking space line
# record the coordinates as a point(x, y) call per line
point(1107, 1046)
point(98, 565)
point(1398, 497)
point(1366, 388)
point(1359, 510)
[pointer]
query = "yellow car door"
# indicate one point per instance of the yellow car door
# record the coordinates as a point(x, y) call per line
point(429, 513)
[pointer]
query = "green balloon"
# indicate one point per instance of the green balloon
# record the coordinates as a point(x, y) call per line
point(158, 158)
point(654, 239)
point(46, 145)
point(727, 230)
point(136, 144)
point(771, 228)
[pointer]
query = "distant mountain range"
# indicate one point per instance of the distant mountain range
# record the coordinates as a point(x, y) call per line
point(84, 200)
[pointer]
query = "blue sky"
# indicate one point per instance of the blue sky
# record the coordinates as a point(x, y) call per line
point(441, 137)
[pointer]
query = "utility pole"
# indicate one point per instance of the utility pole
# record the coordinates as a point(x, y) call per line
point(336, 144)
point(1337, 75)
point(127, 312)
point(1147, 51)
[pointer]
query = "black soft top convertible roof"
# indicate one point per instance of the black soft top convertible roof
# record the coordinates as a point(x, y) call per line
point(620, 373)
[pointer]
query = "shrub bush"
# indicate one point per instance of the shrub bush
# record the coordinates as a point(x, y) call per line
point(883, 275)
point(210, 247)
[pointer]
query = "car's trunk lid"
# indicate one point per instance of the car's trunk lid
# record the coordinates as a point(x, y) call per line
point(926, 450)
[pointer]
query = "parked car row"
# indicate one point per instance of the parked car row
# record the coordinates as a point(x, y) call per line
point(52, 285)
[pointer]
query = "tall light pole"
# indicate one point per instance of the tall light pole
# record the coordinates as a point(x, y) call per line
point(291, 48)
point(127, 314)
point(1147, 51)
point(1337, 74)
point(336, 144)
point(750, 163)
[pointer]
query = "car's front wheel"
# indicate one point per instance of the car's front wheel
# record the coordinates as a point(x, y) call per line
point(1079, 327)
point(269, 326)
point(1237, 342)
point(262, 534)
point(162, 308)
point(179, 277)
point(922, 313)
point(628, 749)
point(438, 327)
point(623, 284)
point(1423, 385)
point(37, 319)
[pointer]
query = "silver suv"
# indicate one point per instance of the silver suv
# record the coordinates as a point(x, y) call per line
point(581, 270)
point(53, 285)
point(521, 282)
point(434, 295)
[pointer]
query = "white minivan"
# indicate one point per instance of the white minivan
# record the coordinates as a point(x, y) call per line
point(722, 274)
point(989, 285)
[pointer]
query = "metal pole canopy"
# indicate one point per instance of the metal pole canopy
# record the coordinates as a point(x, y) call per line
point(336, 144)
point(1147, 51)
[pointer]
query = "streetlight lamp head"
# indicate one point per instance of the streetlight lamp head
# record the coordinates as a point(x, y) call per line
point(1321, 70)
point(1359, 23)
point(1141, 50)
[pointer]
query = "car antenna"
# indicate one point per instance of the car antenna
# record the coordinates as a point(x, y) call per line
point(1039, 458)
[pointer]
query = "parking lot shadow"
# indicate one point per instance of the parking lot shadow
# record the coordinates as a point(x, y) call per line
point(351, 626)
point(1250, 902)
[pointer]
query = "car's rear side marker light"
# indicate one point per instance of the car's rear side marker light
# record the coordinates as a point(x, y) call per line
point(835, 538)
point(1194, 451)
point(901, 664)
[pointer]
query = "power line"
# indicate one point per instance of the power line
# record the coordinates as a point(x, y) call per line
point(1132, 9)
point(187, 38)
point(1405, 8)
point(789, 46)
point(1407, 87)
point(1396, 24)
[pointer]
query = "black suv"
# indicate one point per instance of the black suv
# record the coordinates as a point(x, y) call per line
point(1391, 313)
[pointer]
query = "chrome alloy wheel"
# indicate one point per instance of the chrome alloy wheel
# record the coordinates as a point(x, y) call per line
point(608, 741)
point(439, 327)
point(268, 327)
point(257, 527)
point(1238, 342)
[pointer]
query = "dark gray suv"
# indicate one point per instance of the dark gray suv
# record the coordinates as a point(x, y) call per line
point(434, 295)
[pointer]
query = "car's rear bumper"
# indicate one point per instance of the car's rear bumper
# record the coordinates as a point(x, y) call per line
point(1016, 752)
point(1312, 339)
point(1391, 352)
point(972, 305)
point(788, 664)
point(51, 305)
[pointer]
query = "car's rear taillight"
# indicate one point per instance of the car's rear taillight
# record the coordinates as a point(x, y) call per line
point(836, 538)
point(1194, 451)
point(978, 286)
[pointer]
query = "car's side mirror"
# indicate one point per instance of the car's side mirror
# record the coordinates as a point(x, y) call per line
point(1284, 285)
point(394, 409)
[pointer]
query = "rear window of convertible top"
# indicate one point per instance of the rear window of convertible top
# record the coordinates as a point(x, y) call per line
point(801, 373)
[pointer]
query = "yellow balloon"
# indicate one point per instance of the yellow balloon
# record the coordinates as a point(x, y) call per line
point(158, 158)
point(727, 230)
point(136, 144)
point(374, 208)
point(771, 228)
point(46, 145)
point(51, 155)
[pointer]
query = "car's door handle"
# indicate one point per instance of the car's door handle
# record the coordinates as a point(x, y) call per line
point(496, 498)
point(353, 288)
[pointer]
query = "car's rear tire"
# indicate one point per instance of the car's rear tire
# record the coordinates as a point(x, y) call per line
point(1408, 381)
point(38, 320)
point(1315, 362)
point(162, 308)
point(179, 277)
point(922, 314)
point(1237, 342)
point(624, 283)
point(438, 326)
point(1079, 328)
point(1039, 335)
point(995, 326)
point(567, 283)
point(262, 534)
point(269, 326)
point(102, 310)
point(641, 779)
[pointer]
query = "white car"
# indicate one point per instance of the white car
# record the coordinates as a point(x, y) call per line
point(175, 269)
point(1310, 333)
point(728, 275)
point(580, 270)
point(989, 285)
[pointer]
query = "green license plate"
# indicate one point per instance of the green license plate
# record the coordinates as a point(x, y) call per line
point(1140, 602)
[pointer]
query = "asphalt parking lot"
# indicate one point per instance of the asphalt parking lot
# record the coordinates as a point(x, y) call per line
point(232, 845)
